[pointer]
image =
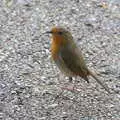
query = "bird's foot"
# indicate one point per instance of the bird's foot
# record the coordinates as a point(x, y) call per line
point(72, 88)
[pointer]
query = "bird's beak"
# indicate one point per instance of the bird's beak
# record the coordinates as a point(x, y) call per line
point(49, 32)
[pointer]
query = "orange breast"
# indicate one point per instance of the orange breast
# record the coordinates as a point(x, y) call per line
point(55, 47)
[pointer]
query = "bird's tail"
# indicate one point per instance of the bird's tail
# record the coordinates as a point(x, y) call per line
point(94, 76)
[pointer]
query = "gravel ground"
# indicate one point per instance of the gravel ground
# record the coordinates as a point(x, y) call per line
point(29, 80)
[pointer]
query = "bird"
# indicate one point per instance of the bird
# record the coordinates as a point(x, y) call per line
point(68, 57)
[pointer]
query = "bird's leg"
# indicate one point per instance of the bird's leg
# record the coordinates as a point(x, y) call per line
point(86, 78)
point(71, 87)
point(70, 79)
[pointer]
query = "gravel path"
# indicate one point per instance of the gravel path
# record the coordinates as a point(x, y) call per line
point(29, 80)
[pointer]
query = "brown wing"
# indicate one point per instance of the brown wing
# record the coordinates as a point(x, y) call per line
point(74, 61)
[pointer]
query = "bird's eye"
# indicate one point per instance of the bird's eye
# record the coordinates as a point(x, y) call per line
point(60, 33)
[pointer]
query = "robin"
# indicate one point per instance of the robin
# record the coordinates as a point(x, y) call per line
point(68, 57)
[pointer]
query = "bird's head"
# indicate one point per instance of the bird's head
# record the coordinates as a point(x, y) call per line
point(60, 35)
